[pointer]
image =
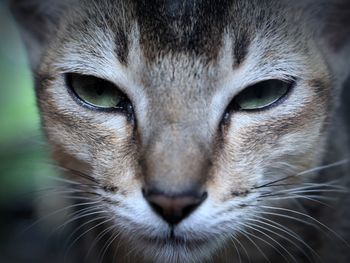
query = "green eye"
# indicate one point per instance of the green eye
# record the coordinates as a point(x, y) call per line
point(96, 92)
point(261, 95)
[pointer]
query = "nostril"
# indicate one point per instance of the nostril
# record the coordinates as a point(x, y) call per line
point(174, 208)
point(158, 209)
point(191, 207)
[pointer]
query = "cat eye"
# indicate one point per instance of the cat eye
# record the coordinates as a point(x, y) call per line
point(261, 95)
point(97, 93)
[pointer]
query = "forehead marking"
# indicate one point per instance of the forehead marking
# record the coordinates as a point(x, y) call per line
point(192, 27)
point(121, 46)
point(240, 50)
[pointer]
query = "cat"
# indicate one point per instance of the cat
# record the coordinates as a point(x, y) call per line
point(200, 131)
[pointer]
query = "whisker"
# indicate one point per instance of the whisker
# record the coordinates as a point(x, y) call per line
point(243, 248)
point(99, 210)
point(74, 172)
point(80, 227)
point(80, 214)
point(98, 238)
point(312, 219)
point(233, 239)
point(58, 211)
point(297, 191)
point(292, 218)
point(109, 242)
point(72, 192)
point(253, 227)
point(83, 175)
point(294, 196)
point(312, 170)
point(316, 186)
point(84, 233)
point(324, 167)
point(60, 179)
point(273, 182)
point(44, 192)
point(247, 236)
point(280, 235)
point(288, 194)
point(333, 184)
point(306, 185)
point(288, 232)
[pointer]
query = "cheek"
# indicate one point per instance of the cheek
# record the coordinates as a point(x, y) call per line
point(97, 143)
point(102, 141)
point(116, 162)
point(261, 151)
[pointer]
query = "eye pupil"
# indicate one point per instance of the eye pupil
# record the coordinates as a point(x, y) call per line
point(99, 90)
point(259, 93)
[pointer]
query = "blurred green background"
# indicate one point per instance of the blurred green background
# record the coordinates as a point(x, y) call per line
point(23, 156)
point(25, 168)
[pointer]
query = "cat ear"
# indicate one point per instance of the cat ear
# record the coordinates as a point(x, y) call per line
point(335, 36)
point(330, 21)
point(37, 20)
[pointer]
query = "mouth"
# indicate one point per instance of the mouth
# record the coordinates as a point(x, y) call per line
point(176, 240)
point(177, 246)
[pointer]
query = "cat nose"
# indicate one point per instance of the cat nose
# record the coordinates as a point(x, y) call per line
point(174, 208)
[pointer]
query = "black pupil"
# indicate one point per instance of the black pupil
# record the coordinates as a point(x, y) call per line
point(259, 92)
point(99, 90)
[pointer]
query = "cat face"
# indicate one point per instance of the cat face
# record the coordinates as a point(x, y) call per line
point(184, 114)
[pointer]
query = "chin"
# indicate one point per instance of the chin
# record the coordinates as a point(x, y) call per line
point(174, 249)
point(162, 243)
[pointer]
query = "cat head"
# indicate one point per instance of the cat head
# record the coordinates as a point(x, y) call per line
point(183, 114)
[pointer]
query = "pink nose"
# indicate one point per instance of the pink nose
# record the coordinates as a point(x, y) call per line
point(174, 208)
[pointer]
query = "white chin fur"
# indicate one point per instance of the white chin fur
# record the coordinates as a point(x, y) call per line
point(196, 239)
point(171, 252)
